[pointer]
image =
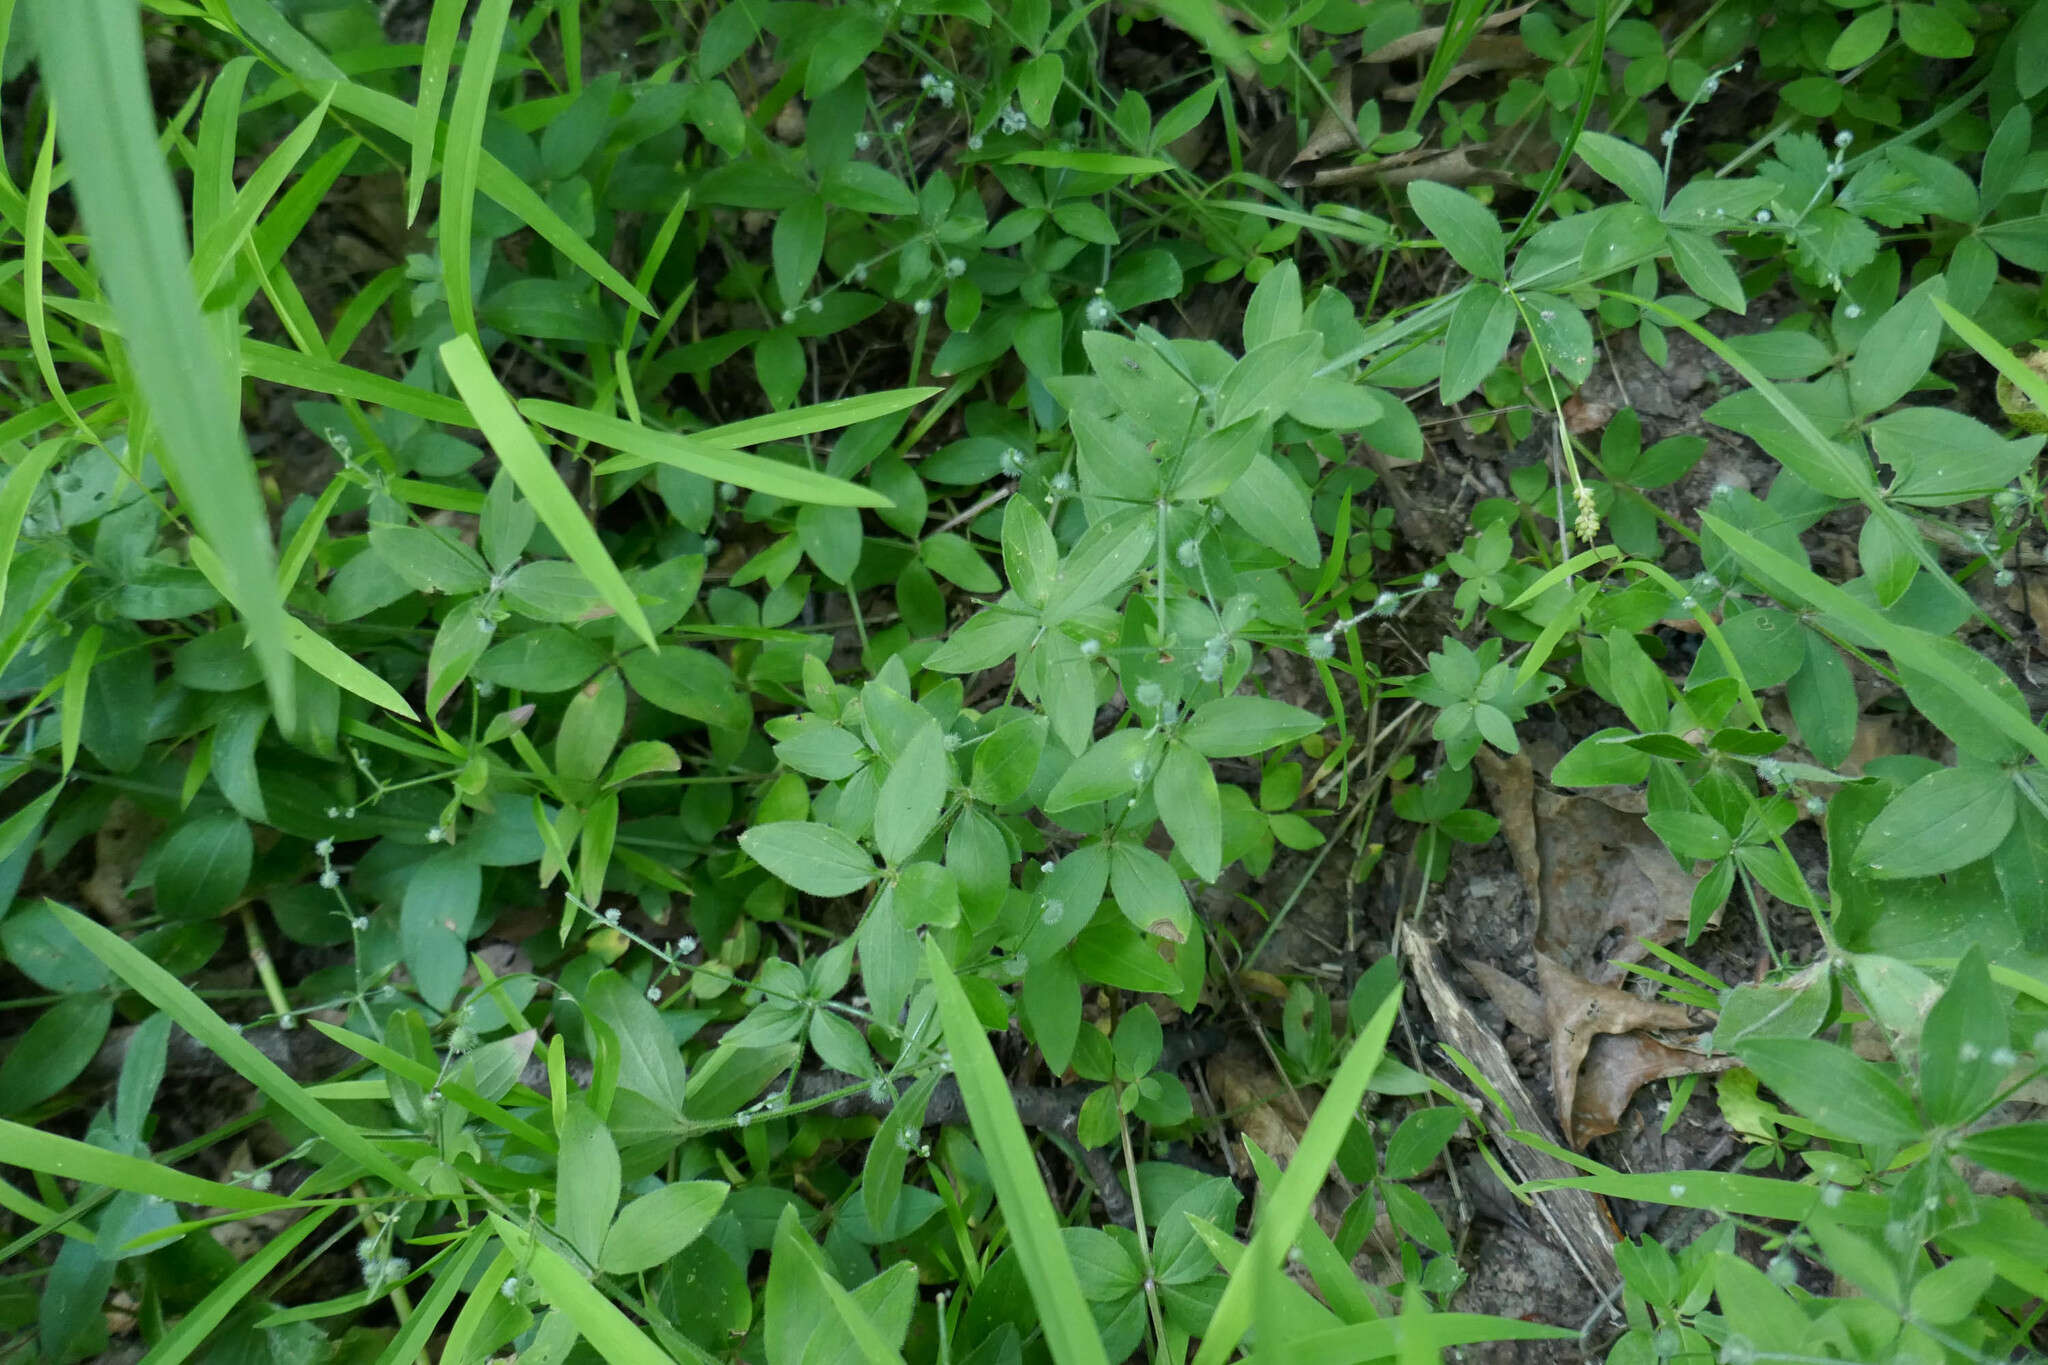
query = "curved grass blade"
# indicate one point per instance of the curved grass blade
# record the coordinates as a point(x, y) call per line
point(608, 1330)
point(219, 1037)
point(442, 28)
point(315, 70)
point(1027, 1209)
point(522, 457)
point(274, 364)
point(428, 1078)
point(24, 472)
point(837, 412)
point(91, 53)
point(181, 1341)
point(1908, 646)
point(465, 151)
point(643, 446)
point(68, 1159)
point(32, 277)
point(213, 251)
point(2000, 359)
point(1824, 462)
point(1291, 1202)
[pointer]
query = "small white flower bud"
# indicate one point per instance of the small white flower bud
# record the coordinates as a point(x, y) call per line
point(329, 879)
point(922, 307)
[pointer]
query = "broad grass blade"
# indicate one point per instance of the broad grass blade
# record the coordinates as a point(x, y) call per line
point(522, 457)
point(91, 53)
point(219, 1037)
point(1027, 1209)
point(643, 446)
point(464, 154)
point(1291, 1203)
point(190, 1334)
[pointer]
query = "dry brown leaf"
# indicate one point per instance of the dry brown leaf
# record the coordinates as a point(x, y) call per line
point(1256, 1102)
point(1426, 39)
point(1578, 1011)
point(1522, 1006)
point(2037, 607)
point(118, 847)
point(1616, 1067)
point(1487, 53)
point(1606, 882)
point(1511, 791)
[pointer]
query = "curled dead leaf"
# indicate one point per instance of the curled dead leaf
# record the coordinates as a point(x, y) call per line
point(1577, 1011)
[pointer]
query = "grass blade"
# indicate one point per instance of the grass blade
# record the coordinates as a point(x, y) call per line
point(459, 166)
point(1027, 1209)
point(643, 446)
point(181, 1341)
point(427, 1078)
point(91, 53)
point(839, 412)
point(213, 251)
point(32, 276)
point(411, 1339)
point(2000, 359)
point(608, 1330)
point(442, 27)
point(792, 1241)
point(24, 472)
point(1291, 1202)
point(1907, 646)
point(219, 1037)
point(68, 1159)
point(274, 364)
point(521, 455)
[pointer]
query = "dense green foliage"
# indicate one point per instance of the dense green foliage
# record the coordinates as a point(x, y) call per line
point(801, 576)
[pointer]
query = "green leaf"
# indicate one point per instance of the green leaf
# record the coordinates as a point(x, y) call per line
point(1033, 1226)
point(1599, 761)
point(1267, 502)
point(224, 1041)
point(609, 1331)
point(1895, 353)
point(1104, 560)
point(1185, 792)
point(1835, 1088)
point(1944, 821)
point(881, 1181)
point(1932, 32)
point(815, 859)
point(436, 915)
point(203, 866)
point(1148, 893)
point(1859, 41)
point(1269, 379)
point(1959, 1070)
point(1030, 554)
point(1113, 766)
point(1482, 324)
point(1421, 1137)
point(516, 448)
point(1944, 457)
point(907, 807)
point(1465, 227)
point(1705, 269)
point(2019, 1150)
point(1006, 761)
point(1274, 310)
point(586, 1181)
point(1233, 727)
point(1628, 168)
point(52, 1051)
point(796, 246)
point(92, 58)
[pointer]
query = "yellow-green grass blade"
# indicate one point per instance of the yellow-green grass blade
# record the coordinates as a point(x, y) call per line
point(443, 25)
point(465, 151)
point(220, 1038)
point(68, 1159)
point(214, 151)
point(1294, 1198)
point(608, 1330)
point(190, 1334)
point(522, 457)
point(643, 446)
point(314, 69)
point(91, 54)
point(471, 1319)
point(1027, 1210)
